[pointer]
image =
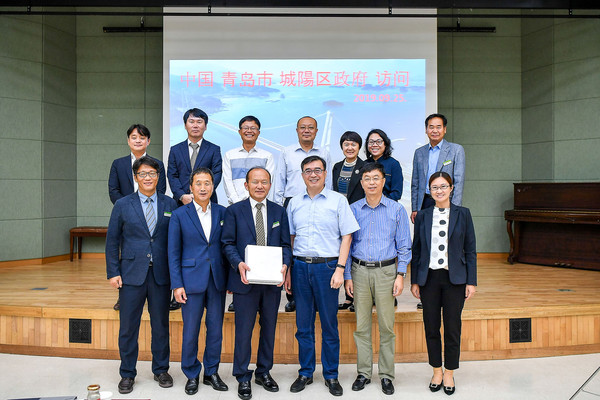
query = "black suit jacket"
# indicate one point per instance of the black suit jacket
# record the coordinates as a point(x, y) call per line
point(120, 180)
point(355, 190)
point(462, 252)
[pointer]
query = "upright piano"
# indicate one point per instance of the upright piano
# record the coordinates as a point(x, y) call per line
point(556, 224)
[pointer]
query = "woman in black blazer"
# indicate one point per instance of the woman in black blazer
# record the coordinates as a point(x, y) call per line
point(350, 142)
point(443, 276)
point(346, 179)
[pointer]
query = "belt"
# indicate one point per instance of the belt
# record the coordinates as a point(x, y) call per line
point(374, 264)
point(316, 260)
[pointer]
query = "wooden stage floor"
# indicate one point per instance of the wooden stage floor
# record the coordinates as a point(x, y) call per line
point(562, 306)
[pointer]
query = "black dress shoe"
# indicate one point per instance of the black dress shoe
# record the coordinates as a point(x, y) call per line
point(387, 386)
point(231, 308)
point(334, 387)
point(419, 306)
point(117, 305)
point(174, 305)
point(449, 390)
point(191, 387)
point(164, 380)
point(351, 308)
point(126, 385)
point(300, 383)
point(215, 381)
point(266, 381)
point(434, 387)
point(344, 306)
point(244, 390)
point(290, 306)
point(360, 382)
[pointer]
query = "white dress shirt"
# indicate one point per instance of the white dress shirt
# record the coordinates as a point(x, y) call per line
point(205, 219)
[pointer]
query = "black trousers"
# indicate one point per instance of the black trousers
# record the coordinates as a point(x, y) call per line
point(439, 296)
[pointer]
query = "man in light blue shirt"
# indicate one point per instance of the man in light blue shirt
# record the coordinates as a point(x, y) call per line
point(321, 225)
point(375, 271)
point(288, 179)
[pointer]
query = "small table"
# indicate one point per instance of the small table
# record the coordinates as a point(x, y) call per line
point(80, 232)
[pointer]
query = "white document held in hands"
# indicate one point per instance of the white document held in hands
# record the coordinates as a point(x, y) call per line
point(265, 264)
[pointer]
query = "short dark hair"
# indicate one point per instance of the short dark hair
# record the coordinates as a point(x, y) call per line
point(252, 169)
point(310, 159)
point(351, 136)
point(142, 130)
point(432, 116)
point(195, 112)
point(441, 174)
point(202, 170)
point(249, 118)
point(387, 153)
point(306, 116)
point(372, 166)
point(146, 160)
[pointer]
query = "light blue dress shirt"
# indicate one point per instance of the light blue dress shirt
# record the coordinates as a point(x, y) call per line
point(434, 155)
point(319, 223)
point(384, 234)
point(288, 180)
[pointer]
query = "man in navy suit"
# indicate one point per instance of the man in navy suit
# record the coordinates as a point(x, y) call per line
point(120, 180)
point(202, 152)
point(255, 221)
point(199, 279)
point(136, 263)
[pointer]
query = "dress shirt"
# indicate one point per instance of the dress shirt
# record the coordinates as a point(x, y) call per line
point(135, 184)
point(434, 155)
point(438, 258)
point(205, 219)
point(191, 150)
point(253, 204)
point(319, 223)
point(236, 163)
point(288, 181)
point(384, 234)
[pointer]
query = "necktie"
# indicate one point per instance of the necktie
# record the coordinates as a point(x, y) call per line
point(260, 226)
point(150, 217)
point(194, 154)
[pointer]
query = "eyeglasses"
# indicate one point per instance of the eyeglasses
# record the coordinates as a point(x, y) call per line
point(368, 179)
point(436, 188)
point(377, 142)
point(151, 174)
point(308, 172)
point(249, 128)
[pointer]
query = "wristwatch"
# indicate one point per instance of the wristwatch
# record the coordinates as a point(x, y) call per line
point(402, 274)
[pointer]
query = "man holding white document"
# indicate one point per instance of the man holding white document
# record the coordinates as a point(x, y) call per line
point(259, 273)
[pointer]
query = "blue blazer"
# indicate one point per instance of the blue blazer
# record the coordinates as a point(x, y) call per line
point(456, 169)
point(192, 257)
point(120, 180)
point(239, 231)
point(129, 244)
point(462, 252)
point(180, 168)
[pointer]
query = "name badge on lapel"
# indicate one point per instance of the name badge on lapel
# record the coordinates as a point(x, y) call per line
point(275, 224)
point(221, 222)
point(447, 162)
point(167, 214)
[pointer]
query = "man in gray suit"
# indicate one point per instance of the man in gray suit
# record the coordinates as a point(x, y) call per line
point(437, 155)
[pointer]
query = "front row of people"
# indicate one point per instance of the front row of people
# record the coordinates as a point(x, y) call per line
point(326, 243)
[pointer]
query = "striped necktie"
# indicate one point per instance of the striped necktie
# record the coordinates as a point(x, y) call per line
point(150, 216)
point(260, 226)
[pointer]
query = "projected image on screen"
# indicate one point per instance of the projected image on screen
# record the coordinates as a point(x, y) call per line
point(342, 95)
